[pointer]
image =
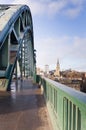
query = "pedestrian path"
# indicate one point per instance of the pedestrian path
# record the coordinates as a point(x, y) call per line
point(24, 109)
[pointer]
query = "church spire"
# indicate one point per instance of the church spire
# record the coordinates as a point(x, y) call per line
point(57, 62)
point(57, 72)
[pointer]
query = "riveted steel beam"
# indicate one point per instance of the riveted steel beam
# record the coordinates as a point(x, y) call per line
point(16, 42)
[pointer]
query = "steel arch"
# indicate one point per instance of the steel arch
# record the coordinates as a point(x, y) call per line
point(16, 44)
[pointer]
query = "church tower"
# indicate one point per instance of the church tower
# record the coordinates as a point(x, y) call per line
point(57, 71)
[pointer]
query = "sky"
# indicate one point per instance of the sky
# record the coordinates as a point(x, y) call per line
point(59, 32)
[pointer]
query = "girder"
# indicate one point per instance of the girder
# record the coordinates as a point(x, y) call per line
point(16, 43)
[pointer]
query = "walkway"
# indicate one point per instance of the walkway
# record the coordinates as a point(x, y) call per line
point(24, 109)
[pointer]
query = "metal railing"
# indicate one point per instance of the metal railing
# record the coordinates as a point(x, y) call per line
point(67, 107)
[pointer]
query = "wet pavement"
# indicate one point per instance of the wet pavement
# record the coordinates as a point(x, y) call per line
point(24, 109)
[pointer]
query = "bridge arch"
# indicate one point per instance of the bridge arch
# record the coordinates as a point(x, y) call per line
point(16, 44)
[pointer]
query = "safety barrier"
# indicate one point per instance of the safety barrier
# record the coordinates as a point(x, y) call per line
point(67, 107)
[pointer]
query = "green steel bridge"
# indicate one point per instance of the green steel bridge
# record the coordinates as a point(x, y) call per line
point(17, 54)
point(67, 107)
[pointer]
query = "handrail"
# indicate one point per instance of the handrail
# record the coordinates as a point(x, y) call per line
point(67, 107)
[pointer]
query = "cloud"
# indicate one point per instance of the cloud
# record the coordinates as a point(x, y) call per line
point(71, 8)
point(73, 12)
point(37, 8)
point(55, 7)
point(80, 47)
point(5, 2)
point(20, 2)
point(70, 51)
point(77, 2)
point(74, 8)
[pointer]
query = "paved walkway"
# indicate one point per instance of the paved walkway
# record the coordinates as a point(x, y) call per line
point(23, 109)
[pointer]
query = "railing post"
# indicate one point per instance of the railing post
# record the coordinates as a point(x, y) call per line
point(67, 107)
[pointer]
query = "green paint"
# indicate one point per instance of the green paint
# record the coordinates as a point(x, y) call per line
point(17, 32)
point(67, 109)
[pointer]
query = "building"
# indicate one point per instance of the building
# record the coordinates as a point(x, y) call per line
point(39, 71)
point(57, 71)
point(47, 69)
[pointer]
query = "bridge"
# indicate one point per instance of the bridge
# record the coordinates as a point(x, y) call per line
point(23, 104)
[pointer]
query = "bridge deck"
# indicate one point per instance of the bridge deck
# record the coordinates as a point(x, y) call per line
point(24, 109)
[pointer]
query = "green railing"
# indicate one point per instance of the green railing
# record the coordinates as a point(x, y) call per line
point(67, 107)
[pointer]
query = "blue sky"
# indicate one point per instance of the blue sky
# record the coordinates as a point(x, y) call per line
point(59, 32)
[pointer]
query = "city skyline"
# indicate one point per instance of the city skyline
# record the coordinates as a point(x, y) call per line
point(59, 32)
